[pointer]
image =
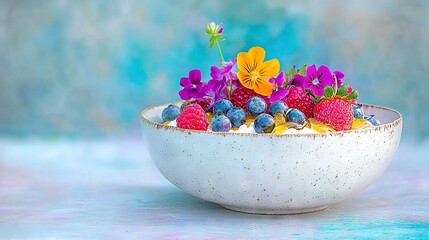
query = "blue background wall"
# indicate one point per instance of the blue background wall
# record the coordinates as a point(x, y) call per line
point(87, 68)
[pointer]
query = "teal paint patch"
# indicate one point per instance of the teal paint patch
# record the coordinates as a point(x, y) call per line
point(364, 228)
point(134, 62)
point(87, 68)
point(98, 189)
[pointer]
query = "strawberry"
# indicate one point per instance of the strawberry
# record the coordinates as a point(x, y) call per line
point(241, 95)
point(193, 117)
point(335, 108)
point(336, 111)
point(298, 98)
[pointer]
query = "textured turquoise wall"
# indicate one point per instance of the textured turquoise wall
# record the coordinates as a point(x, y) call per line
point(85, 68)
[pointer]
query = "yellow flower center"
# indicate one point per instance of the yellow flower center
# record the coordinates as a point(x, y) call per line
point(254, 75)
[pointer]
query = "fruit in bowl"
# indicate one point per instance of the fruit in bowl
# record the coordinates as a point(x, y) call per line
point(272, 173)
point(259, 141)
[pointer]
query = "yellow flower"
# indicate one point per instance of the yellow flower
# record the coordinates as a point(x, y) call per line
point(254, 72)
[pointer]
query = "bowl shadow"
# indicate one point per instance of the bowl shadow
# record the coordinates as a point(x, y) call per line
point(161, 202)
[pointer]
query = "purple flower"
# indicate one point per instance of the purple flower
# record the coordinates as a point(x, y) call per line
point(192, 85)
point(297, 80)
point(340, 77)
point(223, 78)
point(317, 80)
point(212, 93)
point(278, 91)
point(229, 74)
point(218, 81)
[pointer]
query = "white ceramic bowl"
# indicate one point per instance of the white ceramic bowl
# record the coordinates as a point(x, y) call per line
point(272, 174)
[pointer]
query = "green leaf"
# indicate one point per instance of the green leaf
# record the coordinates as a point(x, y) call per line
point(287, 78)
point(309, 92)
point(292, 71)
point(303, 70)
point(342, 90)
point(328, 91)
point(353, 95)
point(317, 99)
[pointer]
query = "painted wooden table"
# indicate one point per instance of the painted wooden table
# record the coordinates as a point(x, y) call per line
point(110, 189)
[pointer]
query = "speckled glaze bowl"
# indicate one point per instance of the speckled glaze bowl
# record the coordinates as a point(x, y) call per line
point(272, 174)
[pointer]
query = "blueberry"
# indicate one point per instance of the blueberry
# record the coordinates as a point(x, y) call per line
point(358, 111)
point(170, 113)
point(237, 116)
point(296, 116)
point(256, 106)
point(220, 123)
point(372, 120)
point(184, 104)
point(264, 123)
point(278, 107)
point(222, 106)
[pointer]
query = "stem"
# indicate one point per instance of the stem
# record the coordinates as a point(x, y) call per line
point(335, 85)
point(229, 93)
point(229, 89)
point(220, 51)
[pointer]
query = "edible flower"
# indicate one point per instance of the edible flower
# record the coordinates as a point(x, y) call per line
point(339, 75)
point(317, 80)
point(210, 93)
point(216, 35)
point(214, 29)
point(192, 85)
point(224, 77)
point(278, 91)
point(254, 72)
point(297, 80)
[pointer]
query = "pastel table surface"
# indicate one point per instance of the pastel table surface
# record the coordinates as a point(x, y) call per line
point(110, 189)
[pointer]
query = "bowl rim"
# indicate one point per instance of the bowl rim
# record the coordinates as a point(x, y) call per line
point(384, 126)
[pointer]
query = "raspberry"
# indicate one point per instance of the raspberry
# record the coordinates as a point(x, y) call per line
point(193, 117)
point(240, 97)
point(298, 98)
point(336, 111)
